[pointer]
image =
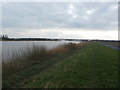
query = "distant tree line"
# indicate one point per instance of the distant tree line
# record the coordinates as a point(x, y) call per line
point(4, 37)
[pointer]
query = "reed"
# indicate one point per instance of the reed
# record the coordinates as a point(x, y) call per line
point(34, 55)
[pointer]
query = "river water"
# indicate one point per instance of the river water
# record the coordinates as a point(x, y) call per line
point(8, 47)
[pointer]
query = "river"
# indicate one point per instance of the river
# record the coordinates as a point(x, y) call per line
point(8, 47)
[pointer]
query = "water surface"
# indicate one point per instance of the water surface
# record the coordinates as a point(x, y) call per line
point(8, 47)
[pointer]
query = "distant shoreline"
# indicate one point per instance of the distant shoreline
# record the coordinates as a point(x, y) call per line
point(27, 40)
point(61, 40)
point(54, 39)
point(41, 39)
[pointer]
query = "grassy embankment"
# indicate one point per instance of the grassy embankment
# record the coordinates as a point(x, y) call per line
point(92, 66)
point(22, 63)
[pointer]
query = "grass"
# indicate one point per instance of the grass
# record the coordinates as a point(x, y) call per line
point(28, 63)
point(83, 66)
point(94, 66)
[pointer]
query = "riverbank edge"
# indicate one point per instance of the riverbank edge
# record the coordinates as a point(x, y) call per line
point(41, 54)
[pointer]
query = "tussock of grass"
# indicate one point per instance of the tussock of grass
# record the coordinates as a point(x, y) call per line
point(34, 55)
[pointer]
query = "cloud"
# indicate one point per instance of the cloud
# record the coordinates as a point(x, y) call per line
point(90, 12)
point(61, 15)
point(32, 17)
point(64, 33)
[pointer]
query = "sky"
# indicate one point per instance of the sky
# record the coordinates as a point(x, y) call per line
point(77, 20)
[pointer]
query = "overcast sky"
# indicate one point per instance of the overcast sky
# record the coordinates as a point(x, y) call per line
point(88, 20)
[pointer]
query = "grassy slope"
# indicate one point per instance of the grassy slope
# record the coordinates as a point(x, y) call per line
point(93, 66)
point(22, 76)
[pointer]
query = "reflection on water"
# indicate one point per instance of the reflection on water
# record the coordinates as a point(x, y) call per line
point(8, 47)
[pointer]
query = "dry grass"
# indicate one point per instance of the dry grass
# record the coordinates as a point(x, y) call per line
point(58, 50)
point(36, 54)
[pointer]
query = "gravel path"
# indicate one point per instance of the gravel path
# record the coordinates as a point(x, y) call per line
point(116, 48)
point(111, 46)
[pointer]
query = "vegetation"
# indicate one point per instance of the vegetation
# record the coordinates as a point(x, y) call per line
point(4, 37)
point(69, 66)
point(32, 58)
point(94, 66)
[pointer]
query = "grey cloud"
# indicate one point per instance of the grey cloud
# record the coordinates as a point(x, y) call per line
point(55, 15)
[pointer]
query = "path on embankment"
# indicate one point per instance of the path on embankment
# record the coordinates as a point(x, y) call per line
point(111, 46)
point(94, 66)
